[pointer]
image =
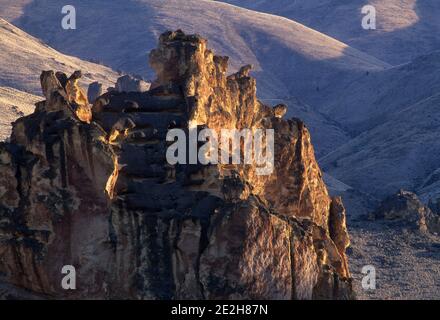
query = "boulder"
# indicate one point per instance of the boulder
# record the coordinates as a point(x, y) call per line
point(102, 197)
point(406, 208)
point(128, 83)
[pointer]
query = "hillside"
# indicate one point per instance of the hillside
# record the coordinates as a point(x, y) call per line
point(325, 133)
point(305, 57)
point(23, 57)
point(307, 62)
point(405, 28)
point(338, 91)
point(374, 125)
point(400, 153)
point(374, 98)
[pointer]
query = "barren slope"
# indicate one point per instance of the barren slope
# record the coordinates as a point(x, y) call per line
point(23, 57)
point(405, 28)
point(14, 104)
point(305, 58)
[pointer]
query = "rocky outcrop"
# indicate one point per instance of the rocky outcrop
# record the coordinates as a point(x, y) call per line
point(94, 91)
point(339, 233)
point(405, 208)
point(101, 196)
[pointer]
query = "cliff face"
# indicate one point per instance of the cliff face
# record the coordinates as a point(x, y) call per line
point(93, 189)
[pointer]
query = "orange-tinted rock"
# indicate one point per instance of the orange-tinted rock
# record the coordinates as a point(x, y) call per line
point(101, 196)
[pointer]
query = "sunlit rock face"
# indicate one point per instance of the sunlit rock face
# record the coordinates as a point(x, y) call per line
point(102, 197)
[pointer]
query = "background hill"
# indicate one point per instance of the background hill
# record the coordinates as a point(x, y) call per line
point(304, 57)
point(24, 57)
point(405, 28)
point(14, 104)
point(370, 98)
point(290, 60)
point(400, 153)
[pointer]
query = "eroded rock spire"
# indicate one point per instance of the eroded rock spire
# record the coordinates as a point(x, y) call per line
point(102, 197)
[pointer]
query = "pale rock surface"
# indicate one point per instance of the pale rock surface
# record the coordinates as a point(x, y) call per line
point(404, 30)
point(128, 83)
point(94, 91)
point(24, 56)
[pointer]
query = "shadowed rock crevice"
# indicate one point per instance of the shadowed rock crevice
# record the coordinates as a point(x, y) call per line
point(106, 200)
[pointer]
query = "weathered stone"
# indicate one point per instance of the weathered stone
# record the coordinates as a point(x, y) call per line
point(49, 84)
point(62, 78)
point(75, 93)
point(338, 232)
point(128, 83)
point(102, 197)
point(77, 98)
point(145, 101)
point(248, 255)
point(64, 94)
point(434, 205)
point(280, 110)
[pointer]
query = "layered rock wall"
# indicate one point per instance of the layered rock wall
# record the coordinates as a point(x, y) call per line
point(102, 197)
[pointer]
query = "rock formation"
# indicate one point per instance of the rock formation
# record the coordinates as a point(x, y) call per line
point(94, 91)
point(406, 208)
point(128, 83)
point(101, 196)
point(62, 91)
point(434, 205)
